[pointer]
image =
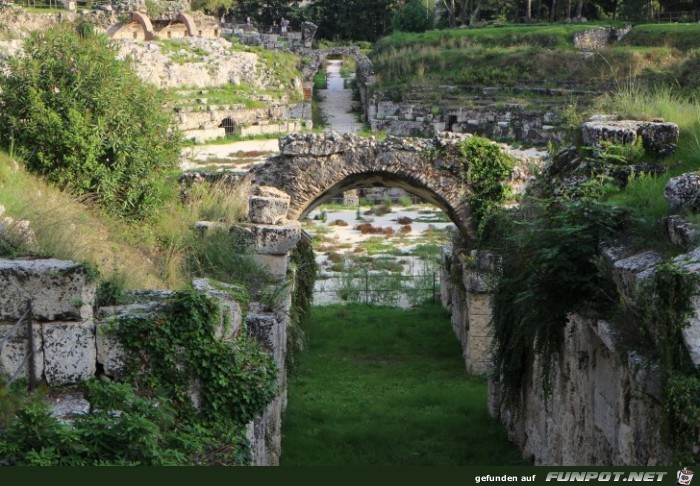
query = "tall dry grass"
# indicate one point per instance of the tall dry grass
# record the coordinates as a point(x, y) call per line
point(149, 254)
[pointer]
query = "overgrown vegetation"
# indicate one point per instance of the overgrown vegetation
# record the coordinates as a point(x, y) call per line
point(484, 168)
point(548, 271)
point(662, 306)
point(83, 119)
point(305, 270)
point(160, 252)
point(153, 418)
point(385, 386)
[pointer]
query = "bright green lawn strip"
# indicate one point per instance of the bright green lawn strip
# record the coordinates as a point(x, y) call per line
point(680, 36)
point(384, 386)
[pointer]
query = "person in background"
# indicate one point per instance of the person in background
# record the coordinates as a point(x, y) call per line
point(284, 25)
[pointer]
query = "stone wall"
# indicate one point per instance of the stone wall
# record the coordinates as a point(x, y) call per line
point(210, 63)
point(604, 408)
point(510, 122)
point(72, 342)
point(606, 401)
point(598, 38)
point(465, 281)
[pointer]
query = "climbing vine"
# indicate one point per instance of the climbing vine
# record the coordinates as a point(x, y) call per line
point(304, 262)
point(485, 169)
point(548, 271)
point(186, 399)
point(179, 348)
point(665, 305)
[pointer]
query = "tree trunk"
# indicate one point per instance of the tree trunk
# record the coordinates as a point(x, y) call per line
point(568, 9)
point(450, 6)
point(528, 11)
point(579, 9)
point(463, 12)
point(551, 12)
point(474, 17)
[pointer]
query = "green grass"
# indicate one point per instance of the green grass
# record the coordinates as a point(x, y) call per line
point(559, 36)
point(320, 81)
point(680, 36)
point(384, 386)
point(231, 94)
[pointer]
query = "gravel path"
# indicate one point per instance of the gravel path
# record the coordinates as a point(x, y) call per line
point(337, 101)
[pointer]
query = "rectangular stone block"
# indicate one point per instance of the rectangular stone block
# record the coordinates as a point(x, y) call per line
point(628, 272)
point(70, 352)
point(275, 240)
point(14, 352)
point(110, 352)
point(59, 290)
point(276, 265)
point(479, 305)
point(267, 210)
point(230, 323)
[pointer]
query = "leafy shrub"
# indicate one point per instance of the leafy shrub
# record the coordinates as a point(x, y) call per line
point(549, 270)
point(414, 17)
point(85, 120)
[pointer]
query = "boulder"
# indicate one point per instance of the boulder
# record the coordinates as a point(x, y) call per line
point(683, 192)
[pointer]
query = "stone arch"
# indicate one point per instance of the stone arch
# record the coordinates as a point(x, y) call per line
point(145, 23)
point(189, 24)
point(312, 168)
point(228, 125)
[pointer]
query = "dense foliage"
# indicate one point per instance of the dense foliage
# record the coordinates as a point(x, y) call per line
point(415, 16)
point(303, 262)
point(484, 167)
point(190, 408)
point(549, 270)
point(79, 116)
point(372, 19)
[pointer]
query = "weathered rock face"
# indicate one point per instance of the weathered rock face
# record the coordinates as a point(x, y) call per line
point(681, 232)
point(603, 409)
point(214, 64)
point(658, 138)
point(58, 290)
point(683, 192)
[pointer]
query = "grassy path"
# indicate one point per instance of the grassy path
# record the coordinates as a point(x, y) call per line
point(385, 386)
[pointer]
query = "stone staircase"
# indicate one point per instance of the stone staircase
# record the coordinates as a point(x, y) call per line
point(202, 121)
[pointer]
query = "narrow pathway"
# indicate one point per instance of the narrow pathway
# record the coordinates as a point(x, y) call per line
point(337, 101)
point(380, 386)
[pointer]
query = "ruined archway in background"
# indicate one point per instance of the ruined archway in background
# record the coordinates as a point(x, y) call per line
point(313, 168)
